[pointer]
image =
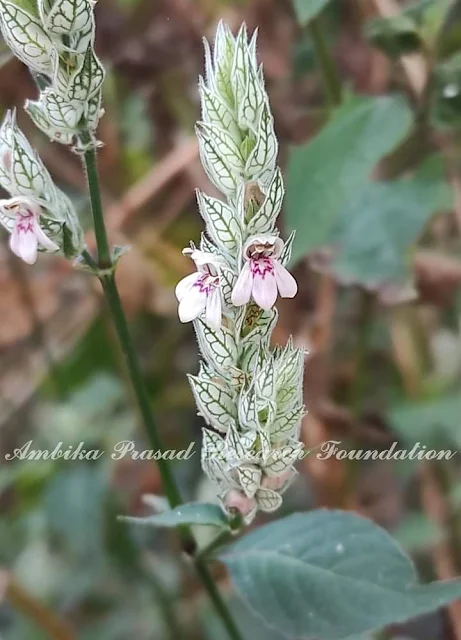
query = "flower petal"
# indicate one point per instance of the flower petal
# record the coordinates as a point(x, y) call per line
point(184, 285)
point(241, 293)
point(24, 245)
point(213, 314)
point(286, 284)
point(192, 304)
point(43, 239)
point(237, 500)
point(265, 290)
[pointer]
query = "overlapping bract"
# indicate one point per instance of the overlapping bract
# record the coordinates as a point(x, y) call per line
point(55, 38)
point(39, 216)
point(249, 395)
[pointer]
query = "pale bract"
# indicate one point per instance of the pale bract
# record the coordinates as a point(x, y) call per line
point(249, 396)
point(56, 40)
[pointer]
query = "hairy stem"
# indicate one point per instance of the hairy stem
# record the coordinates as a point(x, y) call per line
point(104, 254)
point(109, 285)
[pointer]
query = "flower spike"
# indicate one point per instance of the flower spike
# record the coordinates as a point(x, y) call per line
point(249, 395)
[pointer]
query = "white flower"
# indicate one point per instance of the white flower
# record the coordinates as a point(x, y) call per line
point(26, 235)
point(263, 276)
point(200, 291)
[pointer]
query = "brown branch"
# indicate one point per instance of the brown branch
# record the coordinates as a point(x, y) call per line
point(36, 612)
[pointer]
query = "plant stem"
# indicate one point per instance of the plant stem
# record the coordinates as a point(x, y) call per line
point(331, 79)
point(104, 254)
point(118, 316)
point(109, 285)
point(216, 598)
point(217, 542)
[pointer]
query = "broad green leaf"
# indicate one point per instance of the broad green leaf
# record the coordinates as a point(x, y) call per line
point(377, 232)
point(305, 10)
point(426, 422)
point(204, 513)
point(325, 174)
point(330, 575)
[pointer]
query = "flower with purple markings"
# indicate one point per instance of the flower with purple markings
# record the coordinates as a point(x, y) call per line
point(200, 291)
point(263, 276)
point(26, 235)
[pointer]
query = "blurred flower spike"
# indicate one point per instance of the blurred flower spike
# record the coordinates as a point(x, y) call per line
point(38, 215)
point(249, 395)
point(55, 39)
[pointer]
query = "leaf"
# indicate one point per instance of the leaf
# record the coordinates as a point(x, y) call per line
point(326, 173)
point(66, 16)
point(391, 216)
point(425, 422)
point(88, 80)
point(24, 35)
point(291, 571)
point(217, 171)
point(305, 10)
point(262, 158)
point(214, 400)
point(218, 346)
point(417, 27)
point(264, 219)
point(205, 513)
point(394, 36)
point(221, 223)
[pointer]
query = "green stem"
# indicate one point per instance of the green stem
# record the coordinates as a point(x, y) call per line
point(109, 285)
point(118, 316)
point(217, 542)
point(104, 254)
point(216, 598)
point(331, 78)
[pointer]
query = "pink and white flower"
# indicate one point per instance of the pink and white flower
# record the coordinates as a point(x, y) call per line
point(263, 276)
point(200, 291)
point(26, 234)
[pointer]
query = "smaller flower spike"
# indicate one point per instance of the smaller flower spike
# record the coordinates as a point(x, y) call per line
point(200, 291)
point(26, 234)
point(263, 275)
point(39, 216)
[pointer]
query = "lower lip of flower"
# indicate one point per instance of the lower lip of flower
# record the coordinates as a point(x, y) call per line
point(261, 267)
point(206, 283)
point(25, 224)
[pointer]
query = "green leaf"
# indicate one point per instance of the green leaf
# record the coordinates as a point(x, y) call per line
point(204, 513)
point(395, 36)
point(305, 10)
point(415, 28)
point(326, 173)
point(330, 575)
point(391, 216)
point(425, 422)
